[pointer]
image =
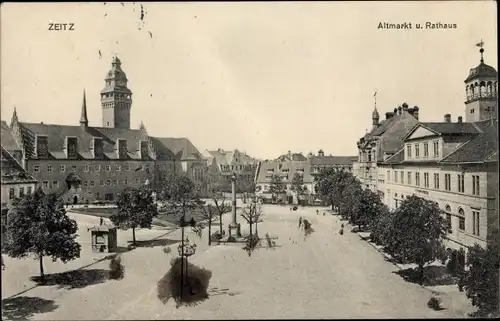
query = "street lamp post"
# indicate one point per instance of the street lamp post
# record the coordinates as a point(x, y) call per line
point(233, 227)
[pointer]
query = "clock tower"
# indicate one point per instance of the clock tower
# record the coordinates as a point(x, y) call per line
point(116, 98)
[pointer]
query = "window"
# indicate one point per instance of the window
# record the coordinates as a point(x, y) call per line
point(108, 182)
point(137, 180)
point(125, 182)
point(12, 193)
point(460, 183)
point(45, 184)
point(49, 168)
point(417, 179)
point(408, 151)
point(436, 149)
point(92, 183)
point(28, 190)
point(395, 176)
point(388, 176)
point(426, 150)
point(36, 168)
point(85, 168)
point(118, 168)
point(436, 181)
point(101, 182)
point(475, 185)
point(108, 168)
point(475, 223)
point(447, 182)
point(115, 183)
point(417, 150)
point(461, 220)
point(55, 184)
point(127, 168)
point(73, 168)
point(426, 179)
point(472, 111)
point(448, 221)
point(402, 177)
point(62, 168)
point(409, 178)
point(97, 168)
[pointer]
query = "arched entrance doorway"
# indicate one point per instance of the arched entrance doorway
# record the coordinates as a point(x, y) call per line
point(75, 200)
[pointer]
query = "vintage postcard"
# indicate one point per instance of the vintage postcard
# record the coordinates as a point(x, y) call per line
point(249, 160)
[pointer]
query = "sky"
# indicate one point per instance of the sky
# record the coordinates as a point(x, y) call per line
point(261, 77)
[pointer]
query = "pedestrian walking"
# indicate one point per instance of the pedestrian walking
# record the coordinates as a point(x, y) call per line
point(101, 221)
point(300, 221)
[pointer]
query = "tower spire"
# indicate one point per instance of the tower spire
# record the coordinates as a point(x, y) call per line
point(83, 119)
point(480, 45)
point(14, 117)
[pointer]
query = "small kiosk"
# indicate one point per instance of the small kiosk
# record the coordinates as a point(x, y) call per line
point(103, 238)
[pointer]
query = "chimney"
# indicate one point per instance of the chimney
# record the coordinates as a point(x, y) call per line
point(400, 110)
point(395, 112)
point(447, 118)
point(460, 119)
point(415, 112)
point(388, 115)
point(405, 106)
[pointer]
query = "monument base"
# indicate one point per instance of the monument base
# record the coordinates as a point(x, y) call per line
point(235, 230)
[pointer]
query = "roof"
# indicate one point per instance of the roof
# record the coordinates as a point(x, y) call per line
point(231, 157)
point(292, 157)
point(165, 148)
point(397, 158)
point(8, 142)
point(392, 136)
point(180, 148)
point(482, 70)
point(12, 172)
point(480, 148)
point(451, 128)
point(263, 175)
point(102, 228)
point(333, 160)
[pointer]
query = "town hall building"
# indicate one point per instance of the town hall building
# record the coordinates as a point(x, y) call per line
point(87, 164)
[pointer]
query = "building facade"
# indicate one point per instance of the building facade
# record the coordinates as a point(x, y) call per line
point(87, 164)
point(454, 164)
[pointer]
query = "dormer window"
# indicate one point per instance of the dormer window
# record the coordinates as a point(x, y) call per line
point(97, 148)
point(121, 146)
point(71, 147)
point(42, 146)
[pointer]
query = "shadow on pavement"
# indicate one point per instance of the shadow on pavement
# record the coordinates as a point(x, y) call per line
point(155, 242)
point(25, 307)
point(216, 291)
point(433, 276)
point(76, 279)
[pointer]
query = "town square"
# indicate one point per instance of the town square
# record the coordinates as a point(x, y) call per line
point(249, 161)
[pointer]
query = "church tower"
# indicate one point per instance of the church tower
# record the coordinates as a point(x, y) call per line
point(116, 98)
point(481, 87)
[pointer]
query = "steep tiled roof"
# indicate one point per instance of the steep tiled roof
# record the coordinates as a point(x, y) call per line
point(231, 157)
point(263, 176)
point(166, 148)
point(12, 171)
point(292, 157)
point(482, 70)
point(7, 140)
point(482, 147)
point(333, 160)
point(182, 148)
point(451, 128)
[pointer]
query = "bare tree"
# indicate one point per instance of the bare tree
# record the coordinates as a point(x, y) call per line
point(252, 214)
point(209, 213)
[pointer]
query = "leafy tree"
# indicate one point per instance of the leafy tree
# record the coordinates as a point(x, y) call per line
point(277, 186)
point(298, 184)
point(324, 187)
point(481, 278)
point(381, 228)
point(368, 206)
point(182, 197)
point(351, 197)
point(136, 209)
point(418, 230)
point(252, 214)
point(38, 225)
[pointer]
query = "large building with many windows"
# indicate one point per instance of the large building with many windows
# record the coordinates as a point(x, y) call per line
point(86, 164)
point(454, 164)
